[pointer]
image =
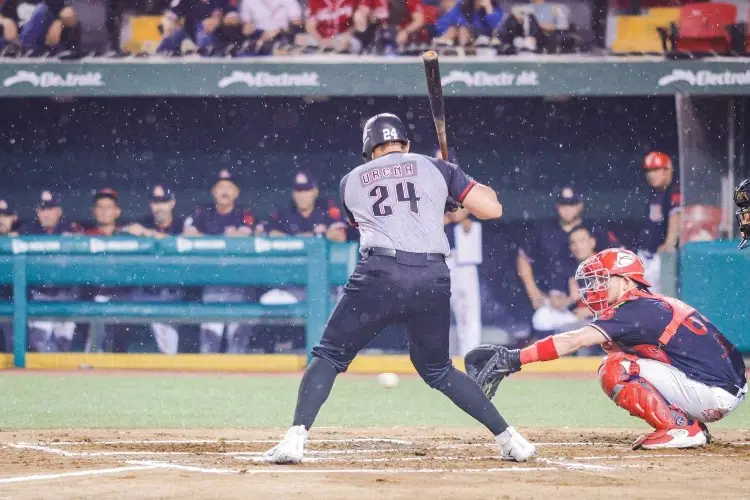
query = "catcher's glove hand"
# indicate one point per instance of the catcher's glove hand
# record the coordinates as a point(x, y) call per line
point(451, 205)
point(489, 364)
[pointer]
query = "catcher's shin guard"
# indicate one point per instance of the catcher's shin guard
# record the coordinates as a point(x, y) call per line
point(635, 394)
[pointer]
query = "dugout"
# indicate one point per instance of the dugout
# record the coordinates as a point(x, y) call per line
point(527, 126)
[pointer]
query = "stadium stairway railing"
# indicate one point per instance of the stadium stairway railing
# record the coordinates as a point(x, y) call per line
point(131, 262)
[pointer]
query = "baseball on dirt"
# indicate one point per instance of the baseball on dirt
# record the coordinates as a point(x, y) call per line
point(388, 380)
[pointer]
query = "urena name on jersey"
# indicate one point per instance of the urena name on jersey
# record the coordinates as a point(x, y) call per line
point(397, 171)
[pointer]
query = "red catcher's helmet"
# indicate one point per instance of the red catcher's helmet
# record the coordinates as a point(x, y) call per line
point(657, 159)
point(593, 275)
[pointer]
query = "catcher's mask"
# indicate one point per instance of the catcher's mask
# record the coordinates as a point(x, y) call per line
point(742, 200)
point(595, 273)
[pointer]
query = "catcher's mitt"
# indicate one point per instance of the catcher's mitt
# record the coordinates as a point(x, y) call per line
point(489, 364)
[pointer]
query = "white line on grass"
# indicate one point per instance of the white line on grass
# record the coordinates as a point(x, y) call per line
point(80, 473)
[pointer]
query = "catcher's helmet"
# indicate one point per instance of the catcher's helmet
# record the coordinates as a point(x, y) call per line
point(742, 200)
point(593, 275)
point(657, 159)
point(382, 128)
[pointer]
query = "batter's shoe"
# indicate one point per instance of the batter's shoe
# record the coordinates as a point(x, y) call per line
point(290, 449)
point(514, 446)
point(695, 434)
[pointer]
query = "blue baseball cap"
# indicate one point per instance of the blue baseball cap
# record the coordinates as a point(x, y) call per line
point(48, 199)
point(6, 208)
point(226, 175)
point(569, 196)
point(161, 194)
point(303, 181)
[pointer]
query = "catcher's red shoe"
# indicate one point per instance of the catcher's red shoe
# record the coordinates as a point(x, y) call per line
point(689, 436)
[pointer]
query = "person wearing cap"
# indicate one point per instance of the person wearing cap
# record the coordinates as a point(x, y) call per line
point(223, 217)
point(661, 229)
point(8, 219)
point(159, 223)
point(545, 262)
point(51, 336)
point(307, 215)
point(106, 212)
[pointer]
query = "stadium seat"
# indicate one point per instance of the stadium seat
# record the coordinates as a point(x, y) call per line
point(141, 34)
point(638, 34)
point(701, 29)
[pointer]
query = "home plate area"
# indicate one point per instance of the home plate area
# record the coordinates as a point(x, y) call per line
point(370, 463)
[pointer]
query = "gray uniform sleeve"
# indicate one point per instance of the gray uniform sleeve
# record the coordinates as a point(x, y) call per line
point(459, 184)
point(342, 195)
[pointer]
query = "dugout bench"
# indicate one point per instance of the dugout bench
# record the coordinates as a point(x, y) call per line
point(178, 261)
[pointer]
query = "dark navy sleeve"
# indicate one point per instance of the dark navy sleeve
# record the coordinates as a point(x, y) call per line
point(342, 195)
point(639, 321)
point(673, 200)
point(459, 184)
point(276, 222)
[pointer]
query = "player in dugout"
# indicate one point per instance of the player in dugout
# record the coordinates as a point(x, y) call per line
point(667, 364)
point(742, 200)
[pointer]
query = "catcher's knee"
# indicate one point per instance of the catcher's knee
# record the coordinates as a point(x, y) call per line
point(619, 376)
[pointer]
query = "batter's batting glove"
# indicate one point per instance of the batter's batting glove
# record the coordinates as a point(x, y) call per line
point(489, 364)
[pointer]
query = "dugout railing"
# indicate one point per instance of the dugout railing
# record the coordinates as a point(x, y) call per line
point(313, 263)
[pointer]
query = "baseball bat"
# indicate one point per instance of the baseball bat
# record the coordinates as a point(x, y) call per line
point(435, 93)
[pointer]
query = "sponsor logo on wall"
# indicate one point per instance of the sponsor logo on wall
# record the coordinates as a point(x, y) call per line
point(705, 78)
point(259, 79)
point(485, 79)
point(46, 79)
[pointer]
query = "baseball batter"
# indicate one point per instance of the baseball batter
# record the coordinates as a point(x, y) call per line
point(667, 363)
point(397, 200)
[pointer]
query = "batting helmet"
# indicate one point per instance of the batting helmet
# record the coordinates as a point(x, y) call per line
point(382, 128)
point(594, 273)
point(742, 200)
point(657, 159)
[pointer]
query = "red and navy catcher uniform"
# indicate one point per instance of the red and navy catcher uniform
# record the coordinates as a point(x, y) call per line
point(667, 363)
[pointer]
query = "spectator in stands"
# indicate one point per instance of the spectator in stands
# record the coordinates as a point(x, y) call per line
point(160, 223)
point(390, 25)
point(329, 26)
point(270, 25)
point(40, 25)
point(224, 217)
point(532, 27)
point(51, 336)
point(209, 23)
point(466, 21)
point(544, 261)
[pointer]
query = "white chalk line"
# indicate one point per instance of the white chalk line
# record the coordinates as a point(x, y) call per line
point(288, 470)
point(567, 464)
point(188, 468)
point(376, 460)
point(227, 441)
point(80, 473)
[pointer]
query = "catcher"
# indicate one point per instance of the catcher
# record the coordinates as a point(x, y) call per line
point(666, 363)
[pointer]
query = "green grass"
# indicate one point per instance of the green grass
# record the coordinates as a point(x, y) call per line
point(65, 400)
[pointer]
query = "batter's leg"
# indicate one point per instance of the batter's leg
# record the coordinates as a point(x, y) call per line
point(367, 306)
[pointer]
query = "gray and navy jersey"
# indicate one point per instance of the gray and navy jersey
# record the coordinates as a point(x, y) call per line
point(398, 201)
